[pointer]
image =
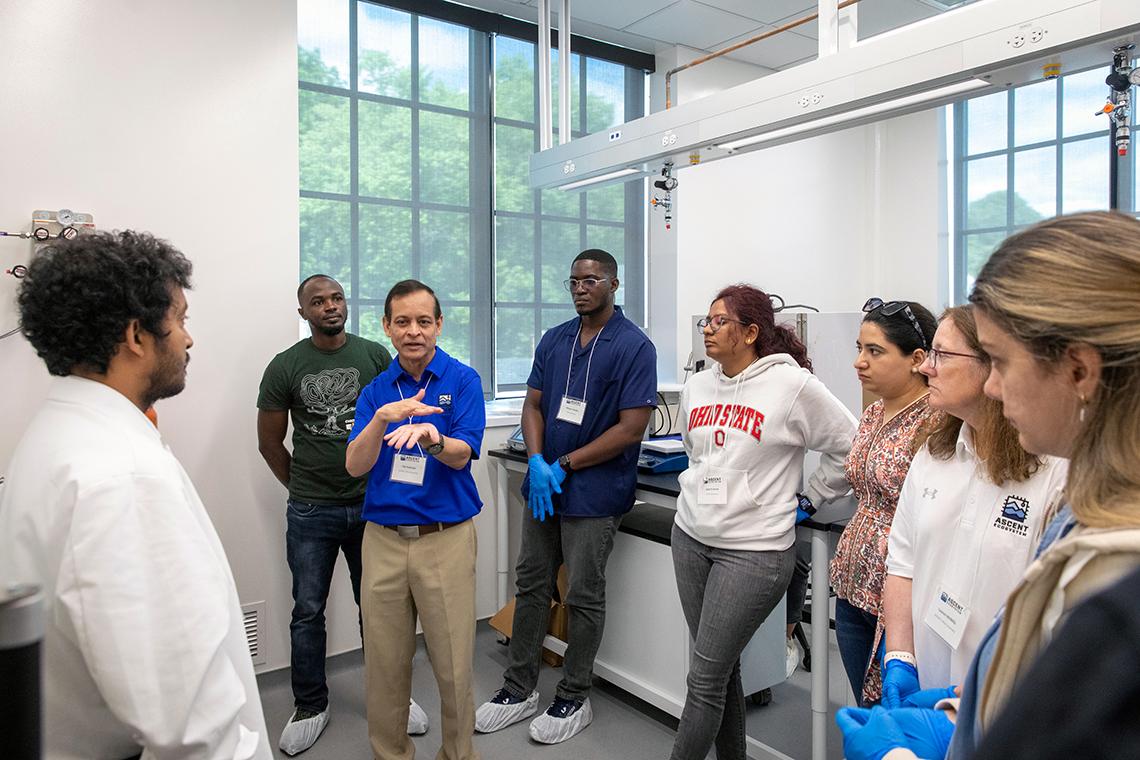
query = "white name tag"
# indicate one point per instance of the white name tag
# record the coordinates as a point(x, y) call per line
point(409, 468)
point(572, 410)
point(947, 617)
point(713, 490)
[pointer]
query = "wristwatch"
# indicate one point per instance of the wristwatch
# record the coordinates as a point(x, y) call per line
point(564, 462)
point(435, 448)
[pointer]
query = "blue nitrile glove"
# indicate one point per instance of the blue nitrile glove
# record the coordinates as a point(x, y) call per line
point(900, 680)
point(928, 732)
point(868, 734)
point(559, 475)
point(928, 698)
point(804, 508)
point(542, 484)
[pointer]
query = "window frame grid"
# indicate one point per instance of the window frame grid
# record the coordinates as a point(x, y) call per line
point(1124, 185)
point(483, 308)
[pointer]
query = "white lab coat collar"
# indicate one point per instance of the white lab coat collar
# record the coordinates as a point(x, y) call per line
point(103, 400)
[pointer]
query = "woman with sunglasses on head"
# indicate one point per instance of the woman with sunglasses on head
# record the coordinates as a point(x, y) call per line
point(747, 424)
point(893, 343)
point(969, 518)
point(1057, 308)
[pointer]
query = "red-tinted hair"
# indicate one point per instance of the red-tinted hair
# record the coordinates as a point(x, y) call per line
point(753, 306)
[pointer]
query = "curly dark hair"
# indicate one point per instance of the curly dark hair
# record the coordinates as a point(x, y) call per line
point(79, 295)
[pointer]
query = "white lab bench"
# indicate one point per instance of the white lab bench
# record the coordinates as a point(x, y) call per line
point(646, 646)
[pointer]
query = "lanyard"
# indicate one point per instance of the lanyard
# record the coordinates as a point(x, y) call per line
point(589, 360)
point(716, 397)
point(411, 418)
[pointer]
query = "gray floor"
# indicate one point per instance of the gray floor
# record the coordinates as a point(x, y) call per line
point(624, 727)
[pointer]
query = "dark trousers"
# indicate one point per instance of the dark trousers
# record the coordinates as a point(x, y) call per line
point(855, 634)
point(584, 545)
point(726, 595)
point(316, 533)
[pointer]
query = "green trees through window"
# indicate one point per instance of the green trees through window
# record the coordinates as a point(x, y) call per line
point(416, 164)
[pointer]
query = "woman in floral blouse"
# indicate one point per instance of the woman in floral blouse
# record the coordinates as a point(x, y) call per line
point(893, 342)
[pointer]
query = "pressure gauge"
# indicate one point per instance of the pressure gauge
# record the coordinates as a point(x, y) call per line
point(1134, 77)
point(66, 217)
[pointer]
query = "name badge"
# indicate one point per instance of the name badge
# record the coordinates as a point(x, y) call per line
point(409, 468)
point(572, 410)
point(713, 490)
point(947, 617)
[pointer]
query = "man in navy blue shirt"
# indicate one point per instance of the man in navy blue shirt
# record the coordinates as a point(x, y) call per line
point(418, 426)
point(589, 397)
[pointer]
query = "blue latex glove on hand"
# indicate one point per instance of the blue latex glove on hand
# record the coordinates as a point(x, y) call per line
point(868, 734)
point(928, 698)
point(900, 680)
point(559, 475)
point(928, 732)
point(542, 485)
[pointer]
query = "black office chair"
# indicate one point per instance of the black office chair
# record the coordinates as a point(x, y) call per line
point(21, 635)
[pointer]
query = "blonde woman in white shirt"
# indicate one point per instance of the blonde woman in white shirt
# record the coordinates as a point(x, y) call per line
point(969, 517)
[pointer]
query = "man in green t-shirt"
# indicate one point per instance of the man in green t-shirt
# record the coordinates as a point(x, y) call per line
point(316, 382)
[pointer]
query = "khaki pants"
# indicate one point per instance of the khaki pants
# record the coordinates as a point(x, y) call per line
point(434, 577)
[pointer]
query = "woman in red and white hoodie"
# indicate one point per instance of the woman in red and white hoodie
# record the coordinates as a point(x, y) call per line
point(748, 422)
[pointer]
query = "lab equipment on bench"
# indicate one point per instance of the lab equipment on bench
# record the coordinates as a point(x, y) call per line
point(662, 455)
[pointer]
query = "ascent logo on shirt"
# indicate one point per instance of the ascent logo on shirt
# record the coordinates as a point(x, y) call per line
point(737, 416)
point(1014, 511)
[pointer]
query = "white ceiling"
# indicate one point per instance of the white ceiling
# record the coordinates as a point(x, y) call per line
point(710, 25)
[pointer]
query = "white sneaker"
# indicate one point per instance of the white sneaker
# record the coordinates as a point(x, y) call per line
point(503, 709)
point(302, 731)
point(417, 719)
point(562, 719)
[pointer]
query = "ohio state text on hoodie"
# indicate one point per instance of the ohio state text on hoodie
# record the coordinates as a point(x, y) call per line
point(751, 432)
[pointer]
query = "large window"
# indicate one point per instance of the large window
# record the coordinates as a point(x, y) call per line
point(415, 139)
point(1029, 153)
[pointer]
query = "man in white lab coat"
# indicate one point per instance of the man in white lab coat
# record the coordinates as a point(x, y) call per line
point(144, 652)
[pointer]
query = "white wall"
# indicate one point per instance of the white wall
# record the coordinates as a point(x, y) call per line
point(828, 221)
point(177, 118)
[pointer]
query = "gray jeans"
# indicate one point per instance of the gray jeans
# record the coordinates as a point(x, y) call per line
point(726, 595)
point(584, 545)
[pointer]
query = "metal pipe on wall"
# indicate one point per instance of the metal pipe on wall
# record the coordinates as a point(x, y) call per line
point(545, 117)
point(564, 79)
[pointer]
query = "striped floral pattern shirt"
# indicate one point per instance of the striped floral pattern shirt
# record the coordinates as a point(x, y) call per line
point(876, 468)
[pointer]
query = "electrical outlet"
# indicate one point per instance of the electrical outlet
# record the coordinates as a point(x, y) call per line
point(803, 102)
point(816, 99)
point(1036, 35)
point(616, 135)
point(1017, 40)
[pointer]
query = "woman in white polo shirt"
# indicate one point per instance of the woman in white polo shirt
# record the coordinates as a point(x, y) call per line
point(969, 517)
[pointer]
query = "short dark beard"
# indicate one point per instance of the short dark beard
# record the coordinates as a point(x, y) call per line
point(165, 381)
point(330, 331)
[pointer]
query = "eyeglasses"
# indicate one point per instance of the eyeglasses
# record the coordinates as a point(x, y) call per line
point(716, 322)
point(936, 355)
point(890, 308)
point(589, 283)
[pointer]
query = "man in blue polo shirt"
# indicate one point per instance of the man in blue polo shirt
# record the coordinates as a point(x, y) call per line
point(589, 397)
point(419, 425)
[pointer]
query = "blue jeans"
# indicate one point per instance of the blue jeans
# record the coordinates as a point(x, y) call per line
point(584, 544)
point(314, 536)
point(855, 633)
point(726, 595)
